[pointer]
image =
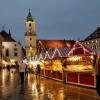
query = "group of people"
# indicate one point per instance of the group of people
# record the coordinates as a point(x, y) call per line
point(24, 70)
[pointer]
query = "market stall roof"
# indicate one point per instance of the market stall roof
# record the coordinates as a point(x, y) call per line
point(36, 58)
point(60, 52)
point(41, 56)
point(49, 53)
point(56, 43)
point(80, 49)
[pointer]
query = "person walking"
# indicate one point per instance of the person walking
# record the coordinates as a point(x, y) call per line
point(26, 70)
point(38, 70)
point(22, 71)
point(64, 67)
point(97, 72)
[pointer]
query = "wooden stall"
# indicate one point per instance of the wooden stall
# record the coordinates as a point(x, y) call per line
point(48, 64)
point(57, 70)
point(80, 66)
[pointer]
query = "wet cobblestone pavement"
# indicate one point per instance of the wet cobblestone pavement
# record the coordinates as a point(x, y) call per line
point(40, 89)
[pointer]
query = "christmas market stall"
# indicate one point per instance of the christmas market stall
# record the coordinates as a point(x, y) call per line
point(48, 63)
point(80, 66)
point(57, 70)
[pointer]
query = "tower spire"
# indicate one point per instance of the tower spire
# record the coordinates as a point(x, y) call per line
point(29, 16)
point(29, 10)
point(9, 33)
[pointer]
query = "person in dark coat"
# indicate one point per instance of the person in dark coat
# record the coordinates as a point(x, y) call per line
point(64, 67)
point(94, 59)
point(97, 71)
point(26, 70)
point(38, 70)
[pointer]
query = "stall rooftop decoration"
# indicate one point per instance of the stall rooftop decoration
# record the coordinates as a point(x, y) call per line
point(48, 54)
point(41, 56)
point(60, 52)
point(80, 49)
point(36, 57)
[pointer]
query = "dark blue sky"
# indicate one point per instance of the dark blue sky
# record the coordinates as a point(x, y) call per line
point(56, 19)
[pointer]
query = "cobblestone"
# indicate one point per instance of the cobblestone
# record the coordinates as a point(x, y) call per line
point(40, 89)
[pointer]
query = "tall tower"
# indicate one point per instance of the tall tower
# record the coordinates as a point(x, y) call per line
point(30, 36)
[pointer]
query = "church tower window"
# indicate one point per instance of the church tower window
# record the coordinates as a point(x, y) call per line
point(30, 24)
point(30, 39)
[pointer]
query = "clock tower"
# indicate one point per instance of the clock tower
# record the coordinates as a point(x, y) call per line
point(30, 36)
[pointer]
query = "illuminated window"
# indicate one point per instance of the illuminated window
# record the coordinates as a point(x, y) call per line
point(96, 47)
point(92, 47)
point(92, 41)
point(96, 41)
point(87, 42)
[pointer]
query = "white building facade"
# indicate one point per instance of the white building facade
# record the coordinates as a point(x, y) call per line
point(12, 51)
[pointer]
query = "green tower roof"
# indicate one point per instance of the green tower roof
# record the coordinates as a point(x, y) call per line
point(29, 17)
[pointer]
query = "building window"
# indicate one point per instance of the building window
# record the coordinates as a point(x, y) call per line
point(30, 45)
point(96, 41)
point(29, 24)
point(7, 52)
point(15, 49)
point(96, 47)
point(92, 41)
point(30, 39)
point(15, 45)
point(87, 42)
point(92, 47)
point(15, 54)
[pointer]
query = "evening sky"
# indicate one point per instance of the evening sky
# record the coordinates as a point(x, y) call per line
point(55, 19)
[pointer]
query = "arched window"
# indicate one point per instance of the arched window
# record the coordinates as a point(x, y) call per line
point(7, 52)
point(29, 24)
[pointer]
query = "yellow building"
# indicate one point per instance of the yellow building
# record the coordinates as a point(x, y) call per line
point(30, 36)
